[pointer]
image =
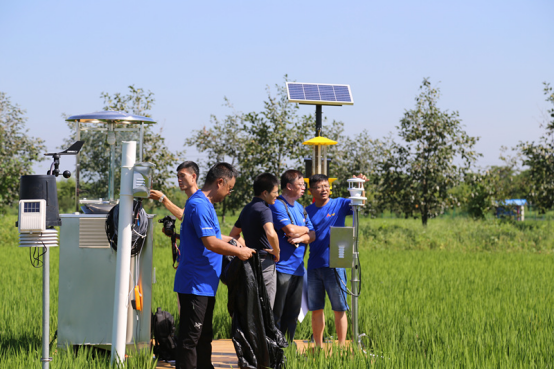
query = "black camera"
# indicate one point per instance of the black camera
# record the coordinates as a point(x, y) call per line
point(169, 224)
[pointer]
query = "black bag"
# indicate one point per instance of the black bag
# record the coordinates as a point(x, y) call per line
point(225, 263)
point(163, 331)
point(258, 343)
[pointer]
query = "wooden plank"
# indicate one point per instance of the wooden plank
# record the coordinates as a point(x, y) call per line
point(224, 355)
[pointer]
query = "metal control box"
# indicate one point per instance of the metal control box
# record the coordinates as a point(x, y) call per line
point(142, 179)
point(341, 247)
point(87, 285)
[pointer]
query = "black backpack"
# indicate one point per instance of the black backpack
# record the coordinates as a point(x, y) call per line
point(163, 330)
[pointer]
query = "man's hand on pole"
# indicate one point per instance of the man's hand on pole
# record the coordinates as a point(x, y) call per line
point(174, 209)
point(361, 176)
point(155, 195)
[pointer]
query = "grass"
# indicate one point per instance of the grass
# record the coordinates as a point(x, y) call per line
point(455, 309)
point(456, 294)
point(458, 234)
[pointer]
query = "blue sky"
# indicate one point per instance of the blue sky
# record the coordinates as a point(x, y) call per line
point(490, 58)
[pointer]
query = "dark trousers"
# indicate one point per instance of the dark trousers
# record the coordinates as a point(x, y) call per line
point(194, 348)
point(288, 301)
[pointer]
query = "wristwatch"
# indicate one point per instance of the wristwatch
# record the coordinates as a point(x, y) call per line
point(162, 198)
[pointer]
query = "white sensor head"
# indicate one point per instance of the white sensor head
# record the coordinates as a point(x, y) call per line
point(356, 189)
point(32, 216)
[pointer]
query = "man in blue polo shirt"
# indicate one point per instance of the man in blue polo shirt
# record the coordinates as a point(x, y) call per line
point(294, 231)
point(326, 213)
point(197, 276)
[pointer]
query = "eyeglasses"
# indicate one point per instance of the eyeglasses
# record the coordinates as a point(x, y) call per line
point(275, 192)
point(228, 186)
point(320, 188)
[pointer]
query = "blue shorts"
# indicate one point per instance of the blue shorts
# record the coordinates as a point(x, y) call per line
point(325, 279)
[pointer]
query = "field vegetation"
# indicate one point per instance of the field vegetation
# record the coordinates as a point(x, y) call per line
point(458, 293)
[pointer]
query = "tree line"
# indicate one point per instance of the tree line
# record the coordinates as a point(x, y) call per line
point(427, 166)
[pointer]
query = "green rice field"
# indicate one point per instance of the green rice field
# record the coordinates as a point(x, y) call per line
point(458, 294)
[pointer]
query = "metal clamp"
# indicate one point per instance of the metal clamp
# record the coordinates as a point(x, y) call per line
point(361, 342)
point(43, 360)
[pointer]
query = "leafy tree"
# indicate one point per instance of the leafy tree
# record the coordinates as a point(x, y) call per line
point(483, 190)
point(18, 150)
point(394, 186)
point(95, 155)
point(539, 157)
point(479, 198)
point(434, 155)
point(223, 141)
point(256, 142)
point(271, 141)
point(66, 195)
point(274, 139)
point(512, 181)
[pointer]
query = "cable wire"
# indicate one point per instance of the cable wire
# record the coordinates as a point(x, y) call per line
point(35, 256)
point(344, 287)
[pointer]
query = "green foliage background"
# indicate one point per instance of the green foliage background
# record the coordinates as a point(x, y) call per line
point(18, 150)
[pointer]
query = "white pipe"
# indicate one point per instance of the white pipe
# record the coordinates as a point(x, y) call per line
point(123, 267)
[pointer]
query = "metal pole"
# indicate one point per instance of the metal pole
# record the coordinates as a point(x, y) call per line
point(141, 139)
point(123, 266)
point(111, 171)
point(324, 160)
point(355, 281)
point(45, 309)
point(318, 120)
point(77, 168)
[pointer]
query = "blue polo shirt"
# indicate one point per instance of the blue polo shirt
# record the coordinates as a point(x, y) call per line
point(332, 214)
point(291, 258)
point(199, 268)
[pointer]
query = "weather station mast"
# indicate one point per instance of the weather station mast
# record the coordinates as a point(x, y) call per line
point(319, 94)
point(344, 240)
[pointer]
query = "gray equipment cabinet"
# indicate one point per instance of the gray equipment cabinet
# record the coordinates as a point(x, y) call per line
point(87, 283)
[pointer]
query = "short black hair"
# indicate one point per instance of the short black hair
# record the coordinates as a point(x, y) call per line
point(191, 166)
point(316, 178)
point(264, 182)
point(221, 170)
point(290, 176)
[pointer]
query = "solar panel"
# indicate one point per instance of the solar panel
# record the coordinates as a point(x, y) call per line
point(319, 94)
